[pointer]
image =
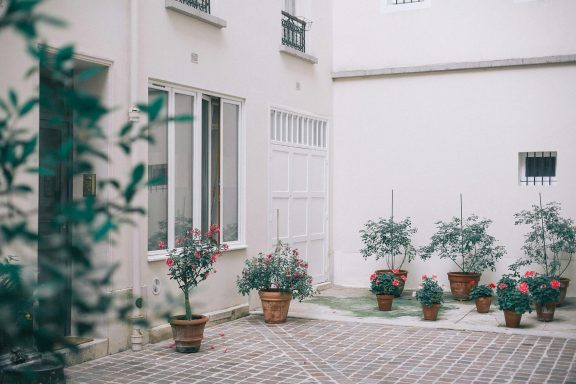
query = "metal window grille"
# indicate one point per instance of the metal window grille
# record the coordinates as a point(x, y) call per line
point(298, 129)
point(539, 168)
point(293, 32)
point(158, 173)
point(398, 2)
point(201, 5)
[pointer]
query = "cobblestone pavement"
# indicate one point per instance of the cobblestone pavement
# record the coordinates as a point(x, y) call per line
point(318, 351)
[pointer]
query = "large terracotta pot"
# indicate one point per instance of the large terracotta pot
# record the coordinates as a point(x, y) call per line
point(275, 306)
point(431, 313)
point(385, 302)
point(188, 334)
point(512, 318)
point(483, 304)
point(545, 311)
point(398, 275)
point(460, 284)
point(564, 283)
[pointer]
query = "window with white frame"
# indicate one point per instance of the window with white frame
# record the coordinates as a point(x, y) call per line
point(537, 168)
point(387, 6)
point(298, 129)
point(194, 168)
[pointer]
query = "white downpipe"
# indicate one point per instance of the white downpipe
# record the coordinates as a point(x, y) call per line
point(134, 116)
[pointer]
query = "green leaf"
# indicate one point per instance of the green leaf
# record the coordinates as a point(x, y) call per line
point(88, 73)
point(126, 129)
point(41, 171)
point(22, 188)
point(29, 148)
point(64, 54)
point(155, 107)
point(138, 173)
point(13, 97)
point(27, 107)
point(102, 232)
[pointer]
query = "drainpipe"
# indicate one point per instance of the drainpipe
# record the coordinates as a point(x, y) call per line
point(134, 116)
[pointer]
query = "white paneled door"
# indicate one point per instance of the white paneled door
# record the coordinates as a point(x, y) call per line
point(298, 192)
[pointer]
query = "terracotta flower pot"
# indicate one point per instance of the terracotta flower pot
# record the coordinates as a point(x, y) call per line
point(275, 306)
point(431, 313)
point(385, 302)
point(188, 334)
point(545, 311)
point(512, 318)
point(398, 275)
point(483, 304)
point(564, 283)
point(460, 284)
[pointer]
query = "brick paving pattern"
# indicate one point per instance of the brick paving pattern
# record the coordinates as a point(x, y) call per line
point(313, 351)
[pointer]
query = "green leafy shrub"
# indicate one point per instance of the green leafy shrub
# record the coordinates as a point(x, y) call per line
point(513, 295)
point(466, 243)
point(193, 260)
point(430, 292)
point(279, 271)
point(384, 284)
point(543, 289)
point(550, 242)
point(386, 239)
point(483, 290)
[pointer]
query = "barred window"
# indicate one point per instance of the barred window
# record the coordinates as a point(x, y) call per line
point(537, 168)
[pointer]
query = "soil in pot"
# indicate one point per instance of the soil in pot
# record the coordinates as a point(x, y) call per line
point(460, 284)
point(275, 306)
point(385, 302)
point(188, 334)
point(512, 319)
point(483, 304)
point(431, 313)
point(398, 275)
point(564, 283)
point(545, 311)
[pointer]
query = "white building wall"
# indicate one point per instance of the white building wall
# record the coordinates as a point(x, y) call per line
point(242, 60)
point(432, 136)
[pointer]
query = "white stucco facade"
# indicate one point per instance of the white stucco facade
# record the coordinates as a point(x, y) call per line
point(404, 120)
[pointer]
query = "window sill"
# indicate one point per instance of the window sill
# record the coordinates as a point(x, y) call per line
point(298, 54)
point(163, 255)
point(196, 13)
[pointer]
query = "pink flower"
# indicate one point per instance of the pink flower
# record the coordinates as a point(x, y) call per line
point(197, 255)
point(492, 285)
point(543, 286)
point(179, 241)
point(169, 262)
point(523, 287)
point(372, 276)
point(296, 274)
point(502, 286)
point(395, 283)
point(555, 284)
point(295, 252)
point(472, 282)
point(226, 247)
point(213, 258)
point(377, 281)
point(395, 270)
point(434, 276)
point(424, 277)
point(161, 245)
point(404, 278)
point(530, 274)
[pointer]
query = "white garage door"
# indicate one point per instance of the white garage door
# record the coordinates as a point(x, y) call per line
point(298, 187)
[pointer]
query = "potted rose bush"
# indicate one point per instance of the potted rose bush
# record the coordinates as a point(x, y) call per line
point(469, 246)
point(385, 286)
point(391, 241)
point(550, 242)
point(431, 296)
point(514, 299)
point(545, 293)
point(189, 264)
point(482, 295)
point(278, 277)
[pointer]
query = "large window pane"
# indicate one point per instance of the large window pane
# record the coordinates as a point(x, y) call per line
point(230, 117)
point(184, 105)
point(158, 172)
point(210, 162)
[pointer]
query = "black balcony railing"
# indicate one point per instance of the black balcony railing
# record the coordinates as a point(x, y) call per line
point(201, 5)
point(397, 2)
point(293, 32)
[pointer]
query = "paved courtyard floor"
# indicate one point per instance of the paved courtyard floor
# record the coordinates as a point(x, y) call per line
point(321, 351)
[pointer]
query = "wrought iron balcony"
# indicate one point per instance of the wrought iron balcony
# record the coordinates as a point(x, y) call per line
point(293, 32)
point(398, 2)
point(201, 5)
